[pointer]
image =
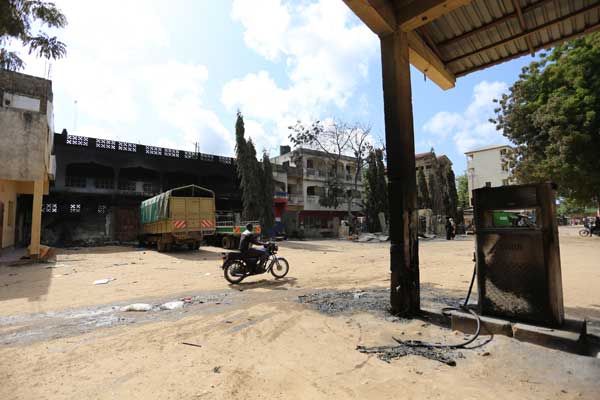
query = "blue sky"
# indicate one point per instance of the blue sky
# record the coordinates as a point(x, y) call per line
point(174, 73)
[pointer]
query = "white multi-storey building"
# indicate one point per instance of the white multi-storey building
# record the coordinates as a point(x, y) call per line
point(301, 176)
point(487, 166)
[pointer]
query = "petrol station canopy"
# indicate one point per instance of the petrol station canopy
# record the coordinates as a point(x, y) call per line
point(452, 38)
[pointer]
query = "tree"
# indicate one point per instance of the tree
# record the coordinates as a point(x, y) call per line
point(552, 114)
point(249, 172)
point(382, 185)
point(16, 20)
point(423, 190)
point(463, 191)
point(376, 197)
point(268, 191)
point(336, 140)
point(371, 200)
point(452, 194)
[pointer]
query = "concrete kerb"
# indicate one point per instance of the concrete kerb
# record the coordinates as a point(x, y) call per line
point(572, 337)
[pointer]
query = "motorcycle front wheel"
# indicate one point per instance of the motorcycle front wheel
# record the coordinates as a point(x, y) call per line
point(279, 267)
point(584, 232)
point(235, 272)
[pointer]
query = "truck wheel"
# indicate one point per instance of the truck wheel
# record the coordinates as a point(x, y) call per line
point(226, 242)
point(160, 245)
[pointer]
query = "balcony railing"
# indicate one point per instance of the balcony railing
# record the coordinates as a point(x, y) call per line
point(296, 199)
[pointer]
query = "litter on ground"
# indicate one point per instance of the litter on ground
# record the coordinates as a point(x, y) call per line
point(103, 281)
point(137, 307)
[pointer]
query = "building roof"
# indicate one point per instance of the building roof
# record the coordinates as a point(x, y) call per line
point(490, 147)
point(452, 38)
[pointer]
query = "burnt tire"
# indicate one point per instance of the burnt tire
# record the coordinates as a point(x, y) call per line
point(234, 272)
point(279, 267)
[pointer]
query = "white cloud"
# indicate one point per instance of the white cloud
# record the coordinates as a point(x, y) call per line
point(470, 128)
point(326, 56)
point(175, 91)
point(111, 70)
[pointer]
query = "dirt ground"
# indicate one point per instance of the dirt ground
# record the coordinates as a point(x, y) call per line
point(61, 337)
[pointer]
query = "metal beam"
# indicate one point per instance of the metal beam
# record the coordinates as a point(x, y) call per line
point(425, 60)
point(378, 15)
point(523, 34)
point(493, 23)
point(590, 29)
point(523, 25)
point(421, 12)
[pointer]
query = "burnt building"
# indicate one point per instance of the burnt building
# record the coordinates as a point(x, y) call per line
point(100, 183)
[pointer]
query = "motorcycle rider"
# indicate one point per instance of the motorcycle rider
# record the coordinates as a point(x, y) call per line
point(247, 240)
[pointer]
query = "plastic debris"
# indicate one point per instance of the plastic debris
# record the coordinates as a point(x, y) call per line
point(172, 305)
point(137, 307)
point(103, 281)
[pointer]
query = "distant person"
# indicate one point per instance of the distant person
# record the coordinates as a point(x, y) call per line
point(449, 228)
point(597, 224)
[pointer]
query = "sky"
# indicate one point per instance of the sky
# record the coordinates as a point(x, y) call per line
point(174, 73)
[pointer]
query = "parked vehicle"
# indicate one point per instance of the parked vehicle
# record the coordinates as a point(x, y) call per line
point(229, 230)
point(181, 216)
point(236, 266)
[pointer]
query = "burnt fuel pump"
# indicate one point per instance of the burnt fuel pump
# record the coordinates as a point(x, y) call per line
point(517, 253)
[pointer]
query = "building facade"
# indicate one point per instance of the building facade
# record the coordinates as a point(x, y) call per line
point(302, 176)
point(100, 184)
point(26, 162)
point(487, 166)
point(436, 192)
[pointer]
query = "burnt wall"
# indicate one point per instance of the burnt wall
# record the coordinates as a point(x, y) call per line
point(99, 185)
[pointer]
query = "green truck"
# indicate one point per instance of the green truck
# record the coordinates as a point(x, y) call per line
point(181, 216)
point(229, 230)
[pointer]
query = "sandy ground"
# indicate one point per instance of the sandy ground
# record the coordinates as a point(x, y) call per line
point(261, 343)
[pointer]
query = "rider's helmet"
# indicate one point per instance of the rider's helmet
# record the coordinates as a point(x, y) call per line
point(249, 227)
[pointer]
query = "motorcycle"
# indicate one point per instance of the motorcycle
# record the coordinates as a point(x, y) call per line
point(589, 230)
point(236, 266)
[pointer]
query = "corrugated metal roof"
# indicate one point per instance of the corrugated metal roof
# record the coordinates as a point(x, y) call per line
point(485, 32)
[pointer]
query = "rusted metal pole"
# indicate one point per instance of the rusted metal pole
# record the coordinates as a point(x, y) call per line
point(400, 146)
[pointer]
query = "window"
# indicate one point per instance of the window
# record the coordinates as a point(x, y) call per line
point(104, 183)
point(488, 184)
point(148, 187)
point(11, 212)
point(127, 185)
point(309, 164)
point(102, 209)
point(310, 190)
point(503, 152)
point(75, 208)
point(75, 181)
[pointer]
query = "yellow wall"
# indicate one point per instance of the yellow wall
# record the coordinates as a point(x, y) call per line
point(8, 193)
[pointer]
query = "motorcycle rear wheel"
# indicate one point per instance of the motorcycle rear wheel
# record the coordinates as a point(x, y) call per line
point(235, 272)
point(584, 232)
point(279, 267)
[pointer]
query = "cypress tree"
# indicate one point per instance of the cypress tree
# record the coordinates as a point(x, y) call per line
point(249, 172)
point(371, 181)
point(376, 192)
point(268, 218)
point(382, 186)
point(452, 194)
